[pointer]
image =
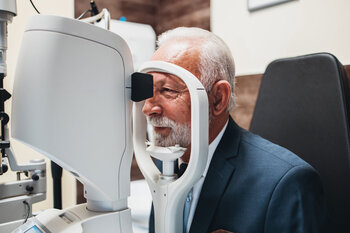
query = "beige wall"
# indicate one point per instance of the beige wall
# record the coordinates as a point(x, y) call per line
point(15, 33)
point(290, 29)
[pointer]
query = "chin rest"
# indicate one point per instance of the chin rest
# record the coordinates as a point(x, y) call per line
point(303, 105)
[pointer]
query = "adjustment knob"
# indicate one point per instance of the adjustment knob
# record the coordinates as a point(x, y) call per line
point(4, 144)
point(4, 118)
point(29, 188)
point(4, 95)
point(35, 177)
point(5, 168)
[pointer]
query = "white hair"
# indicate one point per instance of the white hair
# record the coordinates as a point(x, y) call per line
point(216, 61)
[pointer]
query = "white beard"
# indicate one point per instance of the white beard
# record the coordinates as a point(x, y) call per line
point(179, 134)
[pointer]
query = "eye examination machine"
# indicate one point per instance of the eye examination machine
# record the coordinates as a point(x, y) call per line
point(73, 93)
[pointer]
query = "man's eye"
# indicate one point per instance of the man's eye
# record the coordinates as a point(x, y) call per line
point(169, 90)
point(169, 93)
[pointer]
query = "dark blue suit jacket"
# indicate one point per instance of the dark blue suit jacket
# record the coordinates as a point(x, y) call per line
point(253, 186)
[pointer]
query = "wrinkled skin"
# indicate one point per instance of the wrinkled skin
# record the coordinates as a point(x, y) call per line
point(171, 97)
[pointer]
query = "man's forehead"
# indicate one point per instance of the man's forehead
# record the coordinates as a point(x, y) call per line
point(184, 53)
point(170, 51)
point(176, 49)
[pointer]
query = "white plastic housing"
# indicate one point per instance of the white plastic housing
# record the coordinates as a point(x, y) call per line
point(140, 38)
point(8, 6)
point(169, 197)
point(71, 102)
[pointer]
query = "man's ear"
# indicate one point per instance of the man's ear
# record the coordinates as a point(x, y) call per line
point(219, 97)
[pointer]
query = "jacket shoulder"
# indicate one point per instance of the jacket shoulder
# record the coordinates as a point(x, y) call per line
point(265, 151)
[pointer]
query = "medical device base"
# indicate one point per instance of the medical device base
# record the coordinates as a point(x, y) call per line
point(78, 219)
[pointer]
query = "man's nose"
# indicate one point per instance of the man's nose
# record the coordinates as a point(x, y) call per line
point(152, 107)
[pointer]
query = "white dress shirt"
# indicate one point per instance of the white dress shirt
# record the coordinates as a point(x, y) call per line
point(198, 186)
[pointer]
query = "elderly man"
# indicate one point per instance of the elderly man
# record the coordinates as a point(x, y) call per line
point(250, 184)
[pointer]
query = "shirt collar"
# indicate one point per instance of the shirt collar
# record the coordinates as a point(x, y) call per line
point(212, 147)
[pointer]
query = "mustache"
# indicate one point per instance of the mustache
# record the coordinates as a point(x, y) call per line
point(161, 122)
point(179, 134)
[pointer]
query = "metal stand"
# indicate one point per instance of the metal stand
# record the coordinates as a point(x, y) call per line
point(16, 197)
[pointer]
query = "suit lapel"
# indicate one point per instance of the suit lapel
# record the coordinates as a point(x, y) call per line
point(220, 172)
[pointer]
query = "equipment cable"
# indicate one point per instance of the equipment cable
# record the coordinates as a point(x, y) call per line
point(28, 211)
point(83, 14)
point(34, 6)
point(93, 10)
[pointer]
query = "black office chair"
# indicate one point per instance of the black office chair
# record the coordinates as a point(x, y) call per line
point(303, 105)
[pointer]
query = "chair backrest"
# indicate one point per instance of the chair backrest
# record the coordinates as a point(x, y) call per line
point(303, 105)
